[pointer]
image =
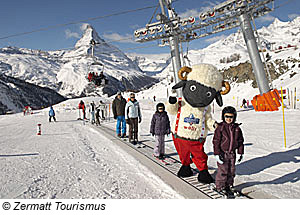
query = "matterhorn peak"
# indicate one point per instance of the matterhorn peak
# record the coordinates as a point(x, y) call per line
point(89, 33)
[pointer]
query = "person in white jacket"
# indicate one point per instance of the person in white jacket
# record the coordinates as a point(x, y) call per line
point(133, 117)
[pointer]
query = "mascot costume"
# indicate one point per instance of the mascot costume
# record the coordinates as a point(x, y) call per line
point(200, 85)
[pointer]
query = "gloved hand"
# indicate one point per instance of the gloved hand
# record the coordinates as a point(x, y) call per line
point(140, 119)
point(219, 159)
point(172, 97)
point(216, 124)
point(172, 100)
point(240, 159)
point(115, 117)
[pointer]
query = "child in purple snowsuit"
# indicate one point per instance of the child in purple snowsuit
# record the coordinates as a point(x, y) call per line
point(227, 139)
point(160, 126)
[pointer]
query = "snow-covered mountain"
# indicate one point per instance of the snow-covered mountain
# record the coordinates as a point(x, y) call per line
point(276, 39)
point(66, 71)
point(280, 46)
point(151, 64)
point(15, 94)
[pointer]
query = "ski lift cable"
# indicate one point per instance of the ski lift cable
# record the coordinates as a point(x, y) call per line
point(78, 22)
point(153, 14)
point(260, 46)
point(98, 17)
point(126, 38)
point(283, 4)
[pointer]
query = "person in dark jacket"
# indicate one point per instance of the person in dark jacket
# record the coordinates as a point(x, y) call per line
point(160, 126)
point(118, 107)
point(92, 110)
point(228, 138)
point(51, 114)
point(97, 116)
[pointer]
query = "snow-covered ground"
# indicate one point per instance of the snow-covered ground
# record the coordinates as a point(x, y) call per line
point(69, 160)
point(73, 160)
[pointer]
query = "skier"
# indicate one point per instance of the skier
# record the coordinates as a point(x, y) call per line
point(118, 107)
point(81, 106)
point(228, 138)
point(160, 126)
point(90, 76)
point(51, 114)
point(97, 115)
point(102, 108)
point(244, 103)
point(92, 112)
point(25, 110)
point(133, 117)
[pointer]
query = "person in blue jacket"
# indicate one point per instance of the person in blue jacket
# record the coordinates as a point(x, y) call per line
point(51, 114)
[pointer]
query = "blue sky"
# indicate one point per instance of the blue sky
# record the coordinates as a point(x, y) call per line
point(23, 16)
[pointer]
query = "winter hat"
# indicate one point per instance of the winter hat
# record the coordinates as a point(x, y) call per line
point(160, 105)
point(206, 74)
point(229, 109)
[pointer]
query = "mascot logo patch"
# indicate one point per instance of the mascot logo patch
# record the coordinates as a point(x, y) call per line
point(191, 119)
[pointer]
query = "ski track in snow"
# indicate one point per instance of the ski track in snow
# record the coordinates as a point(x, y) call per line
point(69, 160)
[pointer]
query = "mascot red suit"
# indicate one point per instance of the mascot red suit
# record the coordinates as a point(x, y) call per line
point(200, 85)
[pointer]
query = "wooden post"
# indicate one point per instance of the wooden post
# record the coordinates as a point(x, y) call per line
point(295, 100)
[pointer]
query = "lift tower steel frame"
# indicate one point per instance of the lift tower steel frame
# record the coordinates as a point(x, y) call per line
point(227, 15)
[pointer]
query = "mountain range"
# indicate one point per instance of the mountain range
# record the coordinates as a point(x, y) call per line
point(65, 71)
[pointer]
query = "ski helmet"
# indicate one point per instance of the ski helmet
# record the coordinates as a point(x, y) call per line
point(160, 105)
point(229, 109)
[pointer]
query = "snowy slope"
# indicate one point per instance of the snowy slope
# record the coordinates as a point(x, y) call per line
point(69, 160)
point(73, 160)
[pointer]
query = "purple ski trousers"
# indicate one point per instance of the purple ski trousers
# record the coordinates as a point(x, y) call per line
point(226, 171)
point(159, 147)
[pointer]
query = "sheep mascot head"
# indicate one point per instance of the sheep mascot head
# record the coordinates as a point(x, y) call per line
point(200, 85)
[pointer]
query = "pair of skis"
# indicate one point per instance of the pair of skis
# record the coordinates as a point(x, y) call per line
point(137, 144)
point(235, 193)
point(165, 160)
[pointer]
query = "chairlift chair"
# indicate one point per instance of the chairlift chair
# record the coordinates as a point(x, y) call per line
point(96, 79)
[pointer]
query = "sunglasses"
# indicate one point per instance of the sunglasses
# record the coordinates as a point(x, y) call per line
point(230, 117)
point(160, 108)
point(132, 97)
